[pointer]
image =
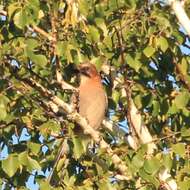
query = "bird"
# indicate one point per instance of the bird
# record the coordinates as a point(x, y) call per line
point(92, 99)
point(92, 105)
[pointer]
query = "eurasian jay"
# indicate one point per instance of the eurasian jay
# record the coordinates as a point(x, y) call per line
point(92, 100)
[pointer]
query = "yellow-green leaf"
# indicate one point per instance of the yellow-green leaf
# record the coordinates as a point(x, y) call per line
point(162, 43)
point(181, 100)
point(179, 149)
point(20, 19)
point(94, 34)
point(149, 51)
point(10, 165)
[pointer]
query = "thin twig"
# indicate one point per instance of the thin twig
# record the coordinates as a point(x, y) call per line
point(6, 89)
point(59, 155)
point(43, 33)
point(2, 12)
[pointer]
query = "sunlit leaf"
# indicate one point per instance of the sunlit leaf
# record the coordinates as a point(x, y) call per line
point(101, 24)
point(181, 100)
point(34, 147)
point(27, 161)
point(44, 185)
point(149, 51)
point(10, 165)
point(20, 19)
point(133, 63)
point(152, 165)
point(3, 107)
point(94, 34)
point(162, 43)
point(179, 149)
point(79, 148)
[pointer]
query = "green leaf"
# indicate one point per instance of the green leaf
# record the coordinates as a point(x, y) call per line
point(152, 165)
point(34, 147)
point(3, 112)
point(180, 36)
point(3, 107)
point(115, 96)
point(23, 158)
point(105, 185)
point(108, 42)
point(131, 3)
point(181, 100)
point(156, 108)
point(33, 164)
point(10, 165)
point(150, 178)
point(60, 48)
point(185, 184)
point(94, 34)
point(78, 149)
point(20, 19)
point(167, 161)
point(149, 51)
point(101, 24)
point(31, 44)
point(34, 3)
point(185, 132)
point(173, 109)
point(183, 66)
point(48, 127)
point(179, 149)
point(162, 20)
point(84, 7)
point(138, 101)
point(27, 161)
point(133, 63)
point(69, 50)
point(12, 8)
point(44, 185)
point(162, 43)
point(138, 161)
point(39, 60)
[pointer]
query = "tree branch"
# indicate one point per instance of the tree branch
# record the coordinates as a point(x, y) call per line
point(180, 13)
point(42, 32)
point(2, 12)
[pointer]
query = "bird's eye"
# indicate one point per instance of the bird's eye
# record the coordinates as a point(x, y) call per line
point(86, 69)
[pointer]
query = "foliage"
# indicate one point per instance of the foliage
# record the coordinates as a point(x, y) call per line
point(141, 41)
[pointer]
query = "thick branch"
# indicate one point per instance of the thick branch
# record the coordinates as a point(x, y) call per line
point(181, 15)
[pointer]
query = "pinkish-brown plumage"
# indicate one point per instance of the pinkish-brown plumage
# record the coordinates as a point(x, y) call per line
point(92, 97)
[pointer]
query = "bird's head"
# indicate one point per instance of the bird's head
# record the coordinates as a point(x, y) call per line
point(88, 71)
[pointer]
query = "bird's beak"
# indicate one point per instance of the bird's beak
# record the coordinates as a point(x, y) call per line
point(81, 70)
point(79, 67)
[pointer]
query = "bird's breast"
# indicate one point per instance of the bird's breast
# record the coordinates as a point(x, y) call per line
point(92, 104)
